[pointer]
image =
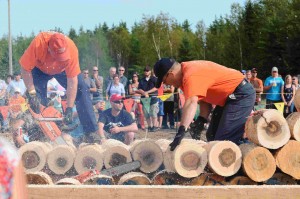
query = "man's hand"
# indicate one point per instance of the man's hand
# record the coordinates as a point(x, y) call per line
point(68, 115)
point(196, 127)
point(115, 130)
point(34, 102)
point(179, 136)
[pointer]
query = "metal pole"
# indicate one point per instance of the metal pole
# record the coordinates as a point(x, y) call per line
point(10, 68)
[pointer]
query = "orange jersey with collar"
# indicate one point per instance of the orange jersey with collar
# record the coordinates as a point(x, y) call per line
point(37, 55)
point(211, 82)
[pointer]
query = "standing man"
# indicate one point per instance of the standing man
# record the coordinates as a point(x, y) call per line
point(89, 82)
point(53, 54)
point(272, 87)
point(99, 84)
point(209, 83)
point(123, 79)
point(257, 85)
point(109, 79)
point(146, 87)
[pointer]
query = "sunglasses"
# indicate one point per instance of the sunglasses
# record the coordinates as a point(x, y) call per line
point(121, 70)
point(146, 70)
point(274, 71)
point(85, 73)
point(294, 79)
point(95, 70)
point(118, 102)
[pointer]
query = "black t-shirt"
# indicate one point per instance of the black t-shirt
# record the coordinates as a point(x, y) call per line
point(148, 85)
point(123, 119)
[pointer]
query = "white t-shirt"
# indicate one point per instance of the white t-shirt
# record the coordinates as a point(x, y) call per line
point(55, 87)
point(16, 84)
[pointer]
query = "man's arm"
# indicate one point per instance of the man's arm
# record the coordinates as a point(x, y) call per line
point(28, 80)
point(71, 90)
point(101, 131)
point(189, 111)
point(130, 128)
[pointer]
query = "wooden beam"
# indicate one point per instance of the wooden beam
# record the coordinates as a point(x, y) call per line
point(151, 192)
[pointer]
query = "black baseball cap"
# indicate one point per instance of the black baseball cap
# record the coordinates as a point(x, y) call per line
point(161, 68)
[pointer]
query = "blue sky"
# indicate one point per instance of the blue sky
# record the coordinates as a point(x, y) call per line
point(34, 15)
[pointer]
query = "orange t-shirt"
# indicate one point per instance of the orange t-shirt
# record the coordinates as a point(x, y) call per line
point(211, 82)
point(15, 103)
point(37, 55)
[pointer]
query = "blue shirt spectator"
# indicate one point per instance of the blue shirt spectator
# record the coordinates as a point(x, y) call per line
point(274, 92)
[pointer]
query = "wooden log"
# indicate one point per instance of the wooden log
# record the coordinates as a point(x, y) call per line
point(242, 180)
point(188, 159)
point(134, 178)
point(89, 157)
point(288, 159)
point(224, 157)
point(115, 153)
point(68, 181)
point(293, 121)
point(268, 128)
point(38, 178)
point(61, 159)
point(148, 153)
point(297, 100)
point(258, 162)
point(34, 155)
point(165, 177)
point(99, 180)
point(206, 179)
point(281, 179)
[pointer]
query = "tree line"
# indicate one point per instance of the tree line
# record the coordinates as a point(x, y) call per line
point(260, 34)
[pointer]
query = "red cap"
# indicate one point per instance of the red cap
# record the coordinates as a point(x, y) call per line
point(59, 47)
point(115, 97)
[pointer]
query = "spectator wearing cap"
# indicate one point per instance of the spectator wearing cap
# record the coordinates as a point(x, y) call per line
point(123, 79)
point(243, 72)
point(117, 123)
point(52, 54)
point(15, 102)
point(146, 88)
point(17, 82)
point(208, 83)
point(257, 85)
point(272, 88)
point(115, 87)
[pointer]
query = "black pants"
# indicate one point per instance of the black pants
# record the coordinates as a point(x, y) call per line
point(169, 113)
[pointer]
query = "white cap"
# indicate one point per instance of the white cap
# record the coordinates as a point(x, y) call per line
point(17, 89)
point(275, 69)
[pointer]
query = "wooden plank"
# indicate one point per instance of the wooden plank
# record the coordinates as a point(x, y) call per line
point(150, 192)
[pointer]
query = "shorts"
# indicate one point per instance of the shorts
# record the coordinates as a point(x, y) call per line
point(154, 109)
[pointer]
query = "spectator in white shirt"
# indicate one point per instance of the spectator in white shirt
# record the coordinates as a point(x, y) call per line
point(16, 83)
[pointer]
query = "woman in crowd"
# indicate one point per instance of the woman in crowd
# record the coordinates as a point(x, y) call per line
point(137, 108)
point(287, 94)
point(115, 87)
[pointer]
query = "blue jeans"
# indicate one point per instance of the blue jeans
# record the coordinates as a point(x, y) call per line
point(83, 101)
point(228, 122)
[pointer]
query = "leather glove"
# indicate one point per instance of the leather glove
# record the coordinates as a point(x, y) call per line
point(196, 127)
point(69, 115)
point(34, 102)
point(179, 136)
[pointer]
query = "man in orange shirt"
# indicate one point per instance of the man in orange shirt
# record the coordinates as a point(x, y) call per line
point(53, 54)
point(209, 83)
point(257, 85)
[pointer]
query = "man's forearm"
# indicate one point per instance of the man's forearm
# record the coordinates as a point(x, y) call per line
point(188, 111)
point(28, 80)
point(131, 128)
point(71, 90)
point(101, 132)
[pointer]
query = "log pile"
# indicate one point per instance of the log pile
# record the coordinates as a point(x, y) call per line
point(271, 158)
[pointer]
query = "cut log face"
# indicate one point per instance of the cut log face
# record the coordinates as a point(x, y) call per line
point(148, 153)
point(165, 177)
point(224, 157)
point(34, 156)
point(88, 158)
point(288, 159)
point(258, 162)
point(115, 153)
point(134, 178)
point(68, 181)
point(268, 129)
point(206, 179)
point(281, 179)
point(242, 180)
point(188, 159)
point(38, 177)
point(99, 180)
point(293, 121)
point(61, 159)
point(164, 145)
